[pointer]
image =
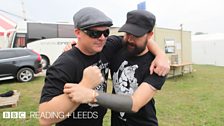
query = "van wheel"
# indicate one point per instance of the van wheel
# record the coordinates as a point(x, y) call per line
point(45, 62)
point(25, 75)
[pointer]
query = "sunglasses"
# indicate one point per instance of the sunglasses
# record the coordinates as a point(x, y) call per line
point(95, 33)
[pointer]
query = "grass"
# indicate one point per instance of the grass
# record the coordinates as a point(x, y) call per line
point(28, 102)
point(195, 99)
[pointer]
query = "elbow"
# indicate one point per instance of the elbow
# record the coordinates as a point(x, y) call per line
point(135, 109)
point(135, 105)
point(44, 122)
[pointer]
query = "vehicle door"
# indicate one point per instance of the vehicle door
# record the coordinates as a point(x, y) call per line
point(7, 63)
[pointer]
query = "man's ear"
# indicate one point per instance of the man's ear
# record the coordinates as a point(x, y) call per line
point(150, 34)
point(77, 33)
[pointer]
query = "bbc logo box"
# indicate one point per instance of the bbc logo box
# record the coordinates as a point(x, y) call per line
point(14, 115)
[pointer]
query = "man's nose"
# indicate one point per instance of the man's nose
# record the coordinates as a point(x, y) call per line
point(102, 37)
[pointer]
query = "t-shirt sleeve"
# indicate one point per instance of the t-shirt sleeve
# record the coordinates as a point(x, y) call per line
point(155, 80)
point(113, 44)
point(56, 77)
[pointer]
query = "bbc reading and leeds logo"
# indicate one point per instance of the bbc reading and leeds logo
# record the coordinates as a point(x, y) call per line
point(48, 115)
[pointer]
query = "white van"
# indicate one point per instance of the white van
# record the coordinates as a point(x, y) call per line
point(49, 49)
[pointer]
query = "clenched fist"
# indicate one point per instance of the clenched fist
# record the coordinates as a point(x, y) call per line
point(92, 77)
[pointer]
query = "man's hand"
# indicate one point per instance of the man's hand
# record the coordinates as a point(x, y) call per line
point(69, 46)
point(92, 77)
point(160, 65)
point(79, 94)
point(82, 92)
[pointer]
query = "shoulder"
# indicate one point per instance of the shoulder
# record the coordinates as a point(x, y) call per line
point(149, 56)
point(114, 38)
point(66, 60)
point(113, 44)
point(69, 56)
point(114, 41)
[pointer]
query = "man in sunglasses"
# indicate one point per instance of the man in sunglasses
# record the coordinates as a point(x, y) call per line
point(84, 65)
point(134, 86)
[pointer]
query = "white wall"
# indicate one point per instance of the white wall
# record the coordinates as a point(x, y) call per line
point(208, 49)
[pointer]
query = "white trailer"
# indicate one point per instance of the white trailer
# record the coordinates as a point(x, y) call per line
point(49, 49)
point(208, 49)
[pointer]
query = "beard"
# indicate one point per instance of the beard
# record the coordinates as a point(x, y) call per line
point(133, 49)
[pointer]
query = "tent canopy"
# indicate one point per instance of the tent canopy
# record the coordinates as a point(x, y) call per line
point(6, 25)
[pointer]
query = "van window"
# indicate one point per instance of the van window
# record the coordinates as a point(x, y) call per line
point(20, 40)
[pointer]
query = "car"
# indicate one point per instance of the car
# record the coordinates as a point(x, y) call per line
point(19, 63)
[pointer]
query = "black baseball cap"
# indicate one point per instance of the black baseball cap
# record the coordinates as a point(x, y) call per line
point(139, 22)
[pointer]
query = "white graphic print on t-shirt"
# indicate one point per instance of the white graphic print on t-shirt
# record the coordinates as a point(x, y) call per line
point(124, 81)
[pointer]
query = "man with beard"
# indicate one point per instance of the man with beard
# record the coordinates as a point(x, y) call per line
point(132, 100)
point(87, 65)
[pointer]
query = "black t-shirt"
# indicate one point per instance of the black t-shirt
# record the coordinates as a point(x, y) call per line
point(128, 72)
point(68, 68)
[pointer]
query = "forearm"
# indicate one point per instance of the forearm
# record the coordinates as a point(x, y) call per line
point(154, 48)
point(120, 103)
point(127, 103)
point(160, 65)
point(142, 96)
point(54, 107)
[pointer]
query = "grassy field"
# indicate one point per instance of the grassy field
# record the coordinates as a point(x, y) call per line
point(195, 99)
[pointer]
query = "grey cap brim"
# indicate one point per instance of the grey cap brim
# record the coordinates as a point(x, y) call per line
point(133, 29)
point(108, 24)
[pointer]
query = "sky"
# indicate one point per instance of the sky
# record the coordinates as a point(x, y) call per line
point(195, 15)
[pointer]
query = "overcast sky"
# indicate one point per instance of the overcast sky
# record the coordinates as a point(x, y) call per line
point(195, 15)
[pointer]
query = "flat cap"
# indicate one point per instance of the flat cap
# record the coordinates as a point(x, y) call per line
point(90, 17)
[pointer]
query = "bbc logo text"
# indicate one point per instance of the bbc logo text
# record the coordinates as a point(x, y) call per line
point(14, 115)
